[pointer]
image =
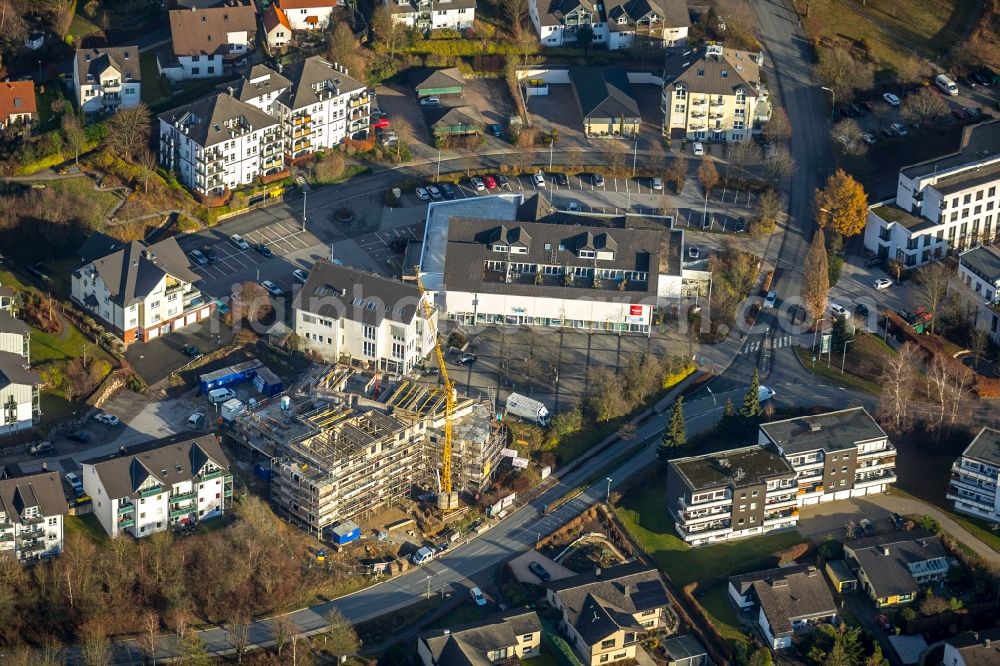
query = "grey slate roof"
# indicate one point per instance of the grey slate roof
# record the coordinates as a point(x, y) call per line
point(469, 644)
point(94, 61)
point(14, 370)
point(559, 9)
point(673, 13)
point(339, 291)
point(978, 648)
point(888, 574)
point(685, 646)
point(984, 261)
point(457, 116)
point(98, 245)
point(170, 460)
point(977, 142)
point(831, 431)
point(9, 324)
point(788, 594)
point(714, 470)
point(310, 78)
point(133, 270)
point(260, 80)
point(205, 31)
point(603, 93)
point(42, 490)
point(985, 446)
point(703, 74)
point(598, 605)
point(205, 119)
point(423, 79)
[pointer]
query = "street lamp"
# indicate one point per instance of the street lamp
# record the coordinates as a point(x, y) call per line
point(714, 403)
point(833, 102)
point(305, 197)
point(428, 586)
point(608, 498)
point(843, 358)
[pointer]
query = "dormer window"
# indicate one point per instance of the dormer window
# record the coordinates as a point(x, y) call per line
point(585, 254)
point(680, 92)
point(500, 248)
point(90, 77)
point(622, 20)
point(741, 94)
point(724, 73)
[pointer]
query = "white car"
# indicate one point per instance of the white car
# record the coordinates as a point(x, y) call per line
point(430, 101)
point(838, 310)
point(868, 138)
point(240, 242)
point(573, 207)
point(198, 257)
point(107, 419)
point(422, 194)
point(75, 483)
point(478, 596)
point(477, 184)
point(300, 276)
point(890, 99)
point(764, 393)
point(434, 192)
point(272, 288)
point(770, 299)
point(539, 179)
point(899, 128)
point(882, 284)
point(657, 184)
point(697, 148)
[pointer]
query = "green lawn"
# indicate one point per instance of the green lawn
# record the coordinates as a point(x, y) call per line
point(81, 27)
point(88, 526)
point(643, 513)
point(155, 88)
point(544, 659)
point(716, 602)
point(832, 372)
point(63, 346)
point(462, 614)
point(56, 408)
point(980, 529)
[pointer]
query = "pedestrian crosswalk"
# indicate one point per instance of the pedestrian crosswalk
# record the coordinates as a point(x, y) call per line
point(779, 342)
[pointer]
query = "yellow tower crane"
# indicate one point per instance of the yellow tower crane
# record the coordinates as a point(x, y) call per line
point(445, 498)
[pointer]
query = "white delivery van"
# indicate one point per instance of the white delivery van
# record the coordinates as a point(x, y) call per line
point(221, 395)
point(946, 84)
point(423, 556)
point(528, 409)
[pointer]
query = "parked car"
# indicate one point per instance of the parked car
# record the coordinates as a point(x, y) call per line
point(107, 419)
point(741, 225)
point(75, 483)
point(890, 99)
point(423, 556)
point(539, 179)
point(191, 351)
point(264, 250)
point(196, 421)
point(693, 252)
point(430, 102)
point(837, 310)
point(79, 436)
point(882, 284)
point(770, 299)
point(697, 148)
point(477, 184)
point(866, 526)
point(871, 262)
point(422, 194)
point(884, 624)
point(381, 123)
point(478, 596)
point(847, 111)
point(573, 207)
point(503, 182)
point(598, 180)
point(561, 179)
point(656, 183)
point(430, 371)
point(198, 257)
point(466, 359)
point(861, 310)
point(239, 242)
point(897, 520)
point(300, 276)
point(210, 254)
point(447, 191)
point(434, 192)
point(981, 78)
point(868, 138)
point(220, 395)
point(858, 109)
point(41, 449)
point(960, 113)
point(537, 569)
point(868, 106)
point(490, 182)
point(495, 130)
point(899, 128)
point(272, 288)
point(888, 132)
point(764, 393)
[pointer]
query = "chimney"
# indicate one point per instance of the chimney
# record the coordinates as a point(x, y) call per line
point(597, 572)
point(810, 572)
point(815, 426)
point(626, 589)
point(885, 551)
point(986, 643)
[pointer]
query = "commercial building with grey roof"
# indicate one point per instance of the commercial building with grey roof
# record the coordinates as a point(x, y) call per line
point(975, 475)
point(787, 600)
point(31, 516)
point(178, 480)
point(511, 635)
point(893, 568)
point(949, 203)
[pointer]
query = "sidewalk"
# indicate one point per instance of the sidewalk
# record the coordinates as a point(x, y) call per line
point(912, 506)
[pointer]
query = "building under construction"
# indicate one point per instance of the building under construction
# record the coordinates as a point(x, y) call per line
point(342, 447)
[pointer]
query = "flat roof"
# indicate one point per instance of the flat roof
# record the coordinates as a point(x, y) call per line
point(756, 463)
point(890, 212)
point(985, 446)
point(983, 260)
point(978, 141)
point(832, 431)
point(964, 180)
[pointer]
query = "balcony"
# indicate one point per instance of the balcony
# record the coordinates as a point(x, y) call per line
point(717, 103)
point(888, 477)
point(359, 101)
point(302, 144)
point(698, 114)
point(690, 518)
point(298, 121)
point(716, 115)
point(111, 86)
point(177, 513)
point(716, 529)
point(212, 475)
point(150, 492)
point(722, 501)
point(974, 473)
point(126, 508)
point(301, 132)
point(889, 449)
point(127, 522)
point(184, 497)
point(228, 492)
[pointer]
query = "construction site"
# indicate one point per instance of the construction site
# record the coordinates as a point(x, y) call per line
point(342, 446)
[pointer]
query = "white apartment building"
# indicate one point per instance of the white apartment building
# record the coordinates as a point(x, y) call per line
point(434, 14)
point(835, 455)
point(138, 291)
point(973, 485)
point(343, 312)
point(31, 516)
point(711, 94)
point(205, 40)
point(979, 269)
point(105, 79)
point(946, 204)
point(616, 23)
point(175, 481)
point(309, 14)
point(19, 385)
point(220, 143)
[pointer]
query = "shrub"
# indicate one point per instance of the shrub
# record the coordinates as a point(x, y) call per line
point(328, 169)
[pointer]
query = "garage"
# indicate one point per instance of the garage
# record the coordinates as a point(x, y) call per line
point(440, 83)
point(191, 318)
point(153, 333)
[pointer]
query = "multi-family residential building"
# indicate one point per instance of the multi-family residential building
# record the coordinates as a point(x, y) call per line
point(618, 24)
point(107, 78)
point(979, 269)
point(277, 28)
point(894, 568)
point(17, 103)
point(787, 600)
point(835, 455)
point(711, 94)
point(731, 495)
point(206, 40)
point(178, 480)
point(19, 385)
point(500, 639)
point(972, 648)
point(220, 143)
point(309, 14)
point(434, 14)
point(945, 204)
point(606, 102)
point(138, 291)
point(343, 312)
point(606, 613)
point(31, 516)
point(974, 477)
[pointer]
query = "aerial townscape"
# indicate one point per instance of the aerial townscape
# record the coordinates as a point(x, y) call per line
point(494, 332)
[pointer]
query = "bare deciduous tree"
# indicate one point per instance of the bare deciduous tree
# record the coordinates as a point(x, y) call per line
point(677, 173)
point(842, 72)
point(252, 302)
point(780, 165)
point(147, 639)
point(146, 160)
point(283, 629)
point(94, 644)
point(897, 386)
point(239, 632)
point(516, 13)
point(979, 340)
point(73, 134)
point(708, 175)
point(924, 105)
point(846, 135)
point(932, 286)
point(128, 130)
point(779, 127)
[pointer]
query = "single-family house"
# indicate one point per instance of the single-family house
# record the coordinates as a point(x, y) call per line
point(206, 40)
point(277, 28)
point(892, 568)
point(107, 78)
point(606, 102)
point(17, 103)
point(504, 638)
point(309, 14)
point(972, 648)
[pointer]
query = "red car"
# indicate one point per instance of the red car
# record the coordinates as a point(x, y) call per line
point(960, 113)
point(490, 181)
point(381, 123)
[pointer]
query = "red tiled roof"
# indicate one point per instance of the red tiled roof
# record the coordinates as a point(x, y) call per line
point(307, 4)
point(17, 97)
point(273, 17)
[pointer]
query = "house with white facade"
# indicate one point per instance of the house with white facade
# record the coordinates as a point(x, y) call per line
point(138, 291)
point(344, 312)
point(787, 601)
point(979, 269)
point(974, 477)
point(309, 14)
point(433, 14)
point(205, 40)
point(107, 78)
point(972, 648)
point(894, 568)
point(219, 143)
point(277, 28)
point(946, 204)
point(616, 24)
point(179, 480)
point(711, 94)
point(557, 21)
point(503, 638)
point(31, 516)
point(19, 385)
point(17, 103)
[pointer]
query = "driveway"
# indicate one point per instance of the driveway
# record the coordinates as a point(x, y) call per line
point(157, 359)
